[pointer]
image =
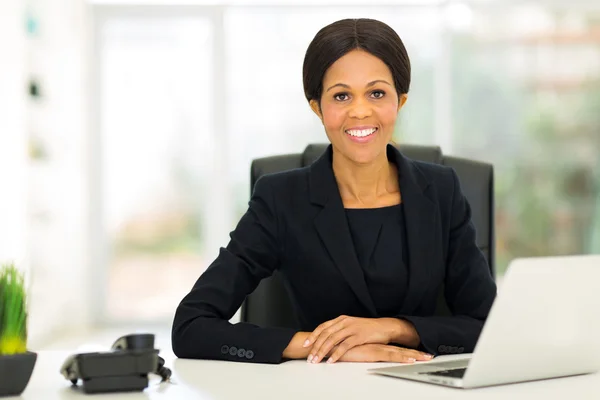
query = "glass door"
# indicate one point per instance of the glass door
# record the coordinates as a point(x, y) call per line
point(154, 155)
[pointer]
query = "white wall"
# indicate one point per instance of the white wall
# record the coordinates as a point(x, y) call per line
point(56, 214)
point(12, 131)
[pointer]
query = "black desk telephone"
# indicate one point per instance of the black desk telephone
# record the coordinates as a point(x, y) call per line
point(123, 369)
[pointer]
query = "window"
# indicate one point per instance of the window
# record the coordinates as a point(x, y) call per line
point(525, 95)
point(156, 133)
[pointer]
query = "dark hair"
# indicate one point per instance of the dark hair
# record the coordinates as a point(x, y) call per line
point(335, 40)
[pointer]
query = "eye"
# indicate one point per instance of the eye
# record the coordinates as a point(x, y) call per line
point(341, 96)
point(378, 94)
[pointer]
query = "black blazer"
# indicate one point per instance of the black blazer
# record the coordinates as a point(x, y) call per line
point(296, 223)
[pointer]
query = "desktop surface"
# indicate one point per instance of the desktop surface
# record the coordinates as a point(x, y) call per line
point(200, 379)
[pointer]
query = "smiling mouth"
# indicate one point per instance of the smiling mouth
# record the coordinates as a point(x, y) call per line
point(361, 132)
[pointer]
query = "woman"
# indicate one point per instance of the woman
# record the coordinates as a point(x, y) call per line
point(365, 238)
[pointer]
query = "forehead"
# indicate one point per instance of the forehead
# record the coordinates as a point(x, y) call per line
point(357, 67)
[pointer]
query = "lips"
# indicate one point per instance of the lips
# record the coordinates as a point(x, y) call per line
point(362, 134)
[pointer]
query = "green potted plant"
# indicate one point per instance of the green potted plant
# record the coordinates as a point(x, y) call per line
point(16, 363)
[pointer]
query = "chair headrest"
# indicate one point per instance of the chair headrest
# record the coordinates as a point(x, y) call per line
point(312, 152)
point(430, 154)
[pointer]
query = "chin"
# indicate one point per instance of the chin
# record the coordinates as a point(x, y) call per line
point(362, 154)
point(365, 155)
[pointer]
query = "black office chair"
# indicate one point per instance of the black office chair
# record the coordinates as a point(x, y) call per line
point(269, 305)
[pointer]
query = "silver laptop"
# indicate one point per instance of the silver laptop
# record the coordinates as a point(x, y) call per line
point(544, 323)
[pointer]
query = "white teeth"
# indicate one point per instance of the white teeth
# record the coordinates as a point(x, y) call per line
point(361, 132)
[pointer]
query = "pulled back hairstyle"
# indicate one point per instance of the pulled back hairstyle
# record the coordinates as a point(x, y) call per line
point(339, 38)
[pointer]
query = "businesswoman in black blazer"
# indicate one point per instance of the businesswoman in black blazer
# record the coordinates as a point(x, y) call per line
point(364, 238)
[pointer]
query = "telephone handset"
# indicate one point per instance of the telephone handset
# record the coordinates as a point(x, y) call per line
point(124, 368)
point(143, 342)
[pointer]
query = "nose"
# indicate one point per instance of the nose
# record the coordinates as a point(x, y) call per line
point(360, 109)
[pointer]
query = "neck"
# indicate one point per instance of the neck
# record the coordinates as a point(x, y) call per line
point(364, 184)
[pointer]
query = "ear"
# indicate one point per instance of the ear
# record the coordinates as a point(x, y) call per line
point(402, 100)
point(314, 105)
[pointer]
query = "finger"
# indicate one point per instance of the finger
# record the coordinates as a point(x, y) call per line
point(333, 340)
point(315, 334)
point(417, 355)
point(400, 357)
point(332, 351)
point(343, 348)
point(313, 357)
point(397, 354)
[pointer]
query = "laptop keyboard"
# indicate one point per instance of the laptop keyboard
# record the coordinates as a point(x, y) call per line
point(451, 373)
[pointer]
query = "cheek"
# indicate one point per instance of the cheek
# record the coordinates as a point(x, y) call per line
point(333, 117)
point(388, 114)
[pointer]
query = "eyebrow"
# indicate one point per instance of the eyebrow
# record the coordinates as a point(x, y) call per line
point(368, 85)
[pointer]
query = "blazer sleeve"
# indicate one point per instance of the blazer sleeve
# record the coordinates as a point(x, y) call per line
point(201, 327)
point(469, 286)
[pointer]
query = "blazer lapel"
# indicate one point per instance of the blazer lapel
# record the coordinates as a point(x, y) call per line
point(332, 227)
point(420, 218)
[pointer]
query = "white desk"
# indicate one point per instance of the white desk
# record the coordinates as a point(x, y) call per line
point(295, 380)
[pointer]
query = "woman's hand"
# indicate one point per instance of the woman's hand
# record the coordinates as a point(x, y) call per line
point(383, 353)
point(346, 333)
point(294, 349)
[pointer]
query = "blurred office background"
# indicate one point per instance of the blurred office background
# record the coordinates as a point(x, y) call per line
point(127, 129)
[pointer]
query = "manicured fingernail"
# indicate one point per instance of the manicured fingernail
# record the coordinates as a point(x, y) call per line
point(330, 361)
point(412, 360)
point(428, 356)
point(306, 343)
point(315, 359)
point(310, 357)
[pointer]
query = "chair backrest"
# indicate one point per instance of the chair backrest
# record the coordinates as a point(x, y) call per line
point(269, 304)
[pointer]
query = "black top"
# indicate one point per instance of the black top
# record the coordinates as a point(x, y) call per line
point(379, 237)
